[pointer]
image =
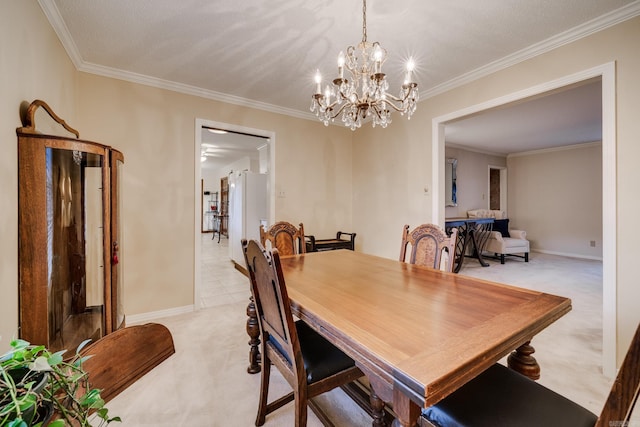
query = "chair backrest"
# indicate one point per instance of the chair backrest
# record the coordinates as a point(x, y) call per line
point(285, 237)
point(272, 303)
point(625, 390)
point(428, 243)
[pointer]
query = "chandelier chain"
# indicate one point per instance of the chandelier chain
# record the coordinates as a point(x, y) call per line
point(364, 21)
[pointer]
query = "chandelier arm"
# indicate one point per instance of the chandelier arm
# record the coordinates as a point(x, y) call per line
point(339, 110)
point(377, 111)
point(393, 105)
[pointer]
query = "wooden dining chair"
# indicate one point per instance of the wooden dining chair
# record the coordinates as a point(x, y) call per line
point(289, 240)
point(502, 397)
point(284, 236)
point(309, 363)
point(428, 244)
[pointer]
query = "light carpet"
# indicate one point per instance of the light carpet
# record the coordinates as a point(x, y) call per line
point(206, 383)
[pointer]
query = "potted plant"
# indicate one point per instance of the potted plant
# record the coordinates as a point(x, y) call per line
point(37, 385)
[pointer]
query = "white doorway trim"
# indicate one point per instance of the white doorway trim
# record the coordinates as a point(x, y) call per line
point(271, 196)
point(607, 72)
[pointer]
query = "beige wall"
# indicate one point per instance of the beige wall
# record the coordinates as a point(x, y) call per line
point(33, 65)
point(556, 196)
point(155, 130)
point(472, 180)
point(392, 166)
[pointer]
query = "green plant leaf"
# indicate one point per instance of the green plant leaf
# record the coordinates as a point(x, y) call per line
point(56, 423)
point(39, 348)
point(82, 345)
point(27, 401)
point(90, 398)
point(17, 423)
point(18, 343)
point(56, 358)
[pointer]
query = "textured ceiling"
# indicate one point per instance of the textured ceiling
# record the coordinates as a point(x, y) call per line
point(264, 53)
point(568, 116)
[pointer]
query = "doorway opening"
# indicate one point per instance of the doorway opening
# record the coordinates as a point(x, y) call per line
point(606, 73)
point(266, 157)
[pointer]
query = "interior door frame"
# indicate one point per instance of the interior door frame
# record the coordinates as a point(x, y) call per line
point(607, 73)
point(271, 196)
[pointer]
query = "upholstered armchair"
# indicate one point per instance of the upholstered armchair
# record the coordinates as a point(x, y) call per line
point(503, 241)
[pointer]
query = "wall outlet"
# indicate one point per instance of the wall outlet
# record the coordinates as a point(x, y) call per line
point(592, 243)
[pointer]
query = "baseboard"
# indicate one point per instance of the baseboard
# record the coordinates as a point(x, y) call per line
point(242, 269)
point(154, 315)
point(570, 255)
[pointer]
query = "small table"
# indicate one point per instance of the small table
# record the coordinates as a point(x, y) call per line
point(474, 231)
point(218, 218)
point(317, 245)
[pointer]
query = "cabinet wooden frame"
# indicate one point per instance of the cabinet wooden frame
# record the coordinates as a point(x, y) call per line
point(37, 244)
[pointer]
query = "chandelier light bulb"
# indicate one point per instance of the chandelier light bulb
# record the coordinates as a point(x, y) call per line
point(318, 79)
point(411, 65)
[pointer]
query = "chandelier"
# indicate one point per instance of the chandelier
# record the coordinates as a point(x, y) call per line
point(363, 92)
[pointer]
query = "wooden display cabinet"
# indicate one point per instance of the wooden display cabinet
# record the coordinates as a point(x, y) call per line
point(70, 260)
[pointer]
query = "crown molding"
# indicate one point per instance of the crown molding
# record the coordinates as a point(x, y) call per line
point(554, 149)
point(473, 149)
point(189, 90)
point(586, 29)
point(600, 23)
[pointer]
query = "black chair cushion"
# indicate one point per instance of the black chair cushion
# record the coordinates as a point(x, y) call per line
point(321, 358)
point(501, 397)
point(502, 225)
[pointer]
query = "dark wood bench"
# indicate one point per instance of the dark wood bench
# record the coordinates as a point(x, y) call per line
point(317, 245)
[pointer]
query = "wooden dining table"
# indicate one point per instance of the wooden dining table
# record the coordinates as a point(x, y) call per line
point(418, 334)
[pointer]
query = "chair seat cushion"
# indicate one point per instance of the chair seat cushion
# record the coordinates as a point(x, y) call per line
point(510, 242)
point(321, 358)
point(501, 397)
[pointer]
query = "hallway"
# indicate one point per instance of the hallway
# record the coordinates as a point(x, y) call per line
point(221, 283)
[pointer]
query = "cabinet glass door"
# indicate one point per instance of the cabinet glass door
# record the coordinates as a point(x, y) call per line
point(116, 257)
point(74, 246)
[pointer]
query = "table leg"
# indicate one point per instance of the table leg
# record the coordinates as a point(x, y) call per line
point(377, 407)
point(407, 411)
point(460, 248)
point(476, 251)
point(253, 329)
point(521, 360)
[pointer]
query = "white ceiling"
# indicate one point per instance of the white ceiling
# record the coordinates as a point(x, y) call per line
point(264, 53)
point(565, 117)
point(224, 149)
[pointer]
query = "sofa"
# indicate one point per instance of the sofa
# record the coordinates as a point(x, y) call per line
point(502, 240)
